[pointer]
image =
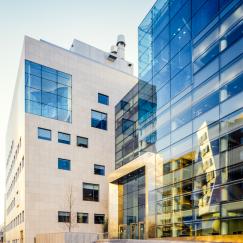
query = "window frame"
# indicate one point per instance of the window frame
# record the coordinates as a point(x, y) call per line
point(81, 213)
point(103, 167)
point(99, 214)
point(82, 145)
point(58, 217)
point(44, 138)
point(93, 196)
point(58, 164)
point(100, 113)
point(63, 141)
point(101, 95)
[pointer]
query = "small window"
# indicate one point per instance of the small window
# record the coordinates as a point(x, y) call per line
point(44, 134)
point(82, 142)
point(63, 217)
point(83, 218)
point(99, 170)
point(64, 164)
point(99, 218)
point(90, 192)
point(103, 99)
point(99, 120)
point(64, 138)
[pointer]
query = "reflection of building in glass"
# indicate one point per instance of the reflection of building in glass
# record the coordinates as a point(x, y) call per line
point(183, 124)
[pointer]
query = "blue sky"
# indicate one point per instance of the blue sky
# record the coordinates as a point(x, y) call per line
point(96, 22)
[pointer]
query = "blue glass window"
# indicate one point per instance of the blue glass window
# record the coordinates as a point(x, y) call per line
point(49, 111)
point(180, 19)
point(163, 95)
point(33, 81)
point(160, 17)
point(64, 115)
point(63, 103)
point(44, 134)
point(64, 78)
point(160, 41)
point(64, 138)
point(33, 107)
point(175, 5)
point(181, 119)
point(232, 89)
point(49, 86)
point(49, 99)
point(162, 77)
point(33, 94)
point(64, 164)
point(205, 105)
point(209, 55)
point(181, 81)
point(47, 92)
point(161, 60)
point(103, 99)
point(99, 120)
point(182, 59)
point(196, 5)
point(33, 68)
point(64, 90)
point(204, 16)
point(99, 170)
point(180, 40)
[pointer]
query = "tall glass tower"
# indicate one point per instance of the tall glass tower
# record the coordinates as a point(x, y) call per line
point(185, 123)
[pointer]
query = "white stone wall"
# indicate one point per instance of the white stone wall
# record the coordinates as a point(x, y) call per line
point(45, 186)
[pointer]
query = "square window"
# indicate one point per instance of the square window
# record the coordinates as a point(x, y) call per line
point(63, 217)
point(90, 192)
point(83, 218)
point(103, 99)
point(82, 142)
point(99, 120)
point(99, 218)
point(99, 170)
point(44, 134)
point(64, 138)
point(64, 164)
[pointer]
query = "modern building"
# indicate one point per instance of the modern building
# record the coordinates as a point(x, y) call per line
point(61, 138)
point(179, 132)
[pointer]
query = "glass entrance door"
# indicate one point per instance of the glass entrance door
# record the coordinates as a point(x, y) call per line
point(122, 231)
point(141, 230)
point(134, 231)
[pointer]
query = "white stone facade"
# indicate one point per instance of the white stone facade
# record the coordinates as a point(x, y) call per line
point(40, 188)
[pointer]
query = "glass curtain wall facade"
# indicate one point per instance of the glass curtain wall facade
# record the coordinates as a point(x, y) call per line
point(189, 112)
point(190, 55)
point(48, 92)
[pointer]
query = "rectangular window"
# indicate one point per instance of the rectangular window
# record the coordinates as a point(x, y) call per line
point(103, 99)
point(44, 134)
point(64, 164)
point(63, 217)
point(82, 218)
point(99, 170)
point(82, 142)
point(90, 192)
point(99, 120)
point(48, 92)
point(99, 218)
point(64, 138)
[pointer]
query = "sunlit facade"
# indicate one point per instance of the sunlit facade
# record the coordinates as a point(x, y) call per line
point(182, 125)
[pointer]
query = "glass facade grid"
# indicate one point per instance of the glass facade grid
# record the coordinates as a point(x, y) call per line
point(48, 92)
point(189, 112)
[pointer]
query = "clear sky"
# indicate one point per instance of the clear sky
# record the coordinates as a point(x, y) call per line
point(96, 22)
